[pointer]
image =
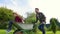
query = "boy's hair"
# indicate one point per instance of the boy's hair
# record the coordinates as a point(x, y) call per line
point(15, 13)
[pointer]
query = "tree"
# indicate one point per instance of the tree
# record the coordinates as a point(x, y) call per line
point(53, 25)
point(5, 16)
point(30, 18)
point(58, 24)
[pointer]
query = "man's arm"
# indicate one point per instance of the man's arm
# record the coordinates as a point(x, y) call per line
point(44, 18)
point(36, 19)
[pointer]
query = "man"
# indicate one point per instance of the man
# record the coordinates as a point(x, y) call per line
point(40, 16)
point(17, 19)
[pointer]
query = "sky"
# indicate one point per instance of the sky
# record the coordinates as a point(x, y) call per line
point(51, 8)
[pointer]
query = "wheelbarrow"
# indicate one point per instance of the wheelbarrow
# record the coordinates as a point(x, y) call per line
point(23, 28)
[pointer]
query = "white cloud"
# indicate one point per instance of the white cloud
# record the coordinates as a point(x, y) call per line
point(17, 7)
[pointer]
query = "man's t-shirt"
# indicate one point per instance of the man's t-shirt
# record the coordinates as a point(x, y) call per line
point(41, 17)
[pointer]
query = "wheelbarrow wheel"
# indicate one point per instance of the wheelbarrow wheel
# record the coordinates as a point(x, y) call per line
point(18, 32)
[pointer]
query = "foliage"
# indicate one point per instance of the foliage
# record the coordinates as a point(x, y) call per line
point(5, 16)
point(53, 25)
point(31, 18)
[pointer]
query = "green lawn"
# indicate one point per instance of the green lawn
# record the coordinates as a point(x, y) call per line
point(48, 32)
point(4, 32)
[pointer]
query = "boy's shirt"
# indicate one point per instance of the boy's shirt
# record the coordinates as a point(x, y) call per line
point(18, 19)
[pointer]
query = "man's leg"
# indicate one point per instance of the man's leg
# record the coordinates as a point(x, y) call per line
point(41, 27)
point(43, 30)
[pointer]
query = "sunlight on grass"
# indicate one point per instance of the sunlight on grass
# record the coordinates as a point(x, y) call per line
point(4, 32)
point(38, 32)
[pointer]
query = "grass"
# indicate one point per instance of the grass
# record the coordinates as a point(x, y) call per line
point(47, 32)
point(4, 32)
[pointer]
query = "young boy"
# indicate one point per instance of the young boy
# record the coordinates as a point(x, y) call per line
point(17, 19)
